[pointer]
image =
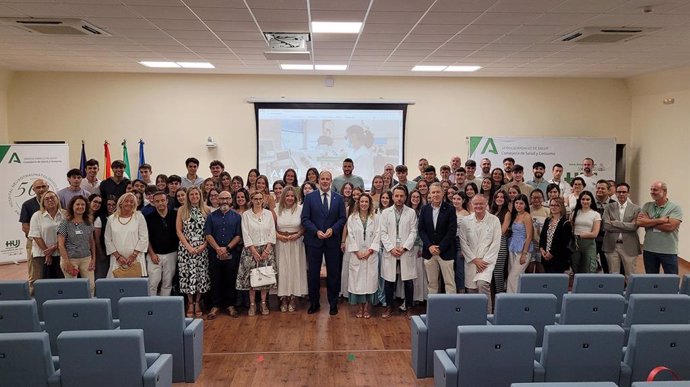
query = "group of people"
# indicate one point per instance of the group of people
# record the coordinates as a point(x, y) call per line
point(219, 241)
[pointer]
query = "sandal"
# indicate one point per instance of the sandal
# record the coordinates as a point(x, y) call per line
point(264, 308)
point(366, 314)
point(387, 313)
point(198, 312)
point(291, 305)
point(360, 314)
point(252, 310)
point(190, 310)
point(212, 314)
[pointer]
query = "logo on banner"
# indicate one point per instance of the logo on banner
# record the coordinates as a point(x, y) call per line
point(13, 243)
point(488, 146)
point(20, 190)
point(14, 158)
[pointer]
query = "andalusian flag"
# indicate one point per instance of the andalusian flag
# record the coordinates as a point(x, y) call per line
point(107, 171)
point(82, 161)
point(125, 158)
point(142, 159)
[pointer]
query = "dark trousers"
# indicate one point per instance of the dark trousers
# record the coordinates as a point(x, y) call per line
point(223, 275)
point(602, 256)
point(389, 289)
point(652, 261)
point(334, 263)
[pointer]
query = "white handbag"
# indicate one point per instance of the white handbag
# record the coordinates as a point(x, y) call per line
point(262, 276)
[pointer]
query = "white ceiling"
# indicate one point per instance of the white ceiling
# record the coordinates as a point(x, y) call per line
point(506, 37)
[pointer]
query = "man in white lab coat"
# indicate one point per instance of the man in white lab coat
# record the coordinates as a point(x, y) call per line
point(480, 240)
point(398, 226)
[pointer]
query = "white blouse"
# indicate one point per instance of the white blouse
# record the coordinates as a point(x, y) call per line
point(258, 230)
point(43, 226)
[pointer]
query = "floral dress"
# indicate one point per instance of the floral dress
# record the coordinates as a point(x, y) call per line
point(193, 268)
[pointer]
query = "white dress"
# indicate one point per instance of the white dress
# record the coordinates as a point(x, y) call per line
point(290, 256)
point(364, 274)
point(125, 235)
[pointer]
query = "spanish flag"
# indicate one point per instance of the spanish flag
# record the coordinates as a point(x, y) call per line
point(107, 172)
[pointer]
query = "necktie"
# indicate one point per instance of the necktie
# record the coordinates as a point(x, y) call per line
point(325, 201)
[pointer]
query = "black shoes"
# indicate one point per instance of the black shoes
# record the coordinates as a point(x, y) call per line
point(334, 310)
point(313, 308)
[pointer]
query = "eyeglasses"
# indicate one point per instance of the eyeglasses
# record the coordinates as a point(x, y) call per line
point(554, 205)
point(258, 199)
point(97, 202)
point(621, 192)
point(41, 186)
point(50, 198)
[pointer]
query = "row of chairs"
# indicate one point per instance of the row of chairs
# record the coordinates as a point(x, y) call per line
point(104, 358)
point(498, 356)
point(161, 318)
point(437, 329)
point(61, 289)
point(603, 384)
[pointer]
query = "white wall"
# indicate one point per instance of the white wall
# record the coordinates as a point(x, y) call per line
point(175, 113)
point(5, 77)
point(660, 138)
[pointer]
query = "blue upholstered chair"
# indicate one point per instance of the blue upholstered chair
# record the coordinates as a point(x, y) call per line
point(651, 346)
point(116, 288)
point(19, 316)
point(59, 289)
point(583, 353)
point(111, 358)
point(685, 287)
point(657, 309)
point(25, 360)
point(537, 310)
point(437, 328)
point(14, 290)
point(487, 355)
point(599, 283)
point(652, 284)
point(167, 331)
point(598, 309)
point(556, 284)
point(75, 315)
point(566, 384)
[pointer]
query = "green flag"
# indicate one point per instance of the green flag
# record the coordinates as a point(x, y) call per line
point(125, 158)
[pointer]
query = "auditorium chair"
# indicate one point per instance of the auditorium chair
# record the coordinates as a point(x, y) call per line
point(651, 346)
point(59, 289)
point(566, 384)
point(111, 358)
point(599, 283)
point(556, 284)
point(116, 288)
point(167, 331)
point(537, 310)
point(437, 328)
point(685, 287)
point(487, 355)
point(652, 284)
point(19, 316)
point(25, 360)
point(75, 315)
point(14, 290)
point(584, 353)
point(657, 309)
point(592, 309)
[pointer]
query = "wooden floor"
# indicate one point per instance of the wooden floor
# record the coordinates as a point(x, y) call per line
point(297, 349)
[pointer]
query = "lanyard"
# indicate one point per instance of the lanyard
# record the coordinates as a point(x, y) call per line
point(658, 210)
point(364, 226)
point(397, 223)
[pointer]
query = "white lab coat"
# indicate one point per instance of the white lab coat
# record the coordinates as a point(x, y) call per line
point(407, 233)
point(364, 274)
point(480, 239)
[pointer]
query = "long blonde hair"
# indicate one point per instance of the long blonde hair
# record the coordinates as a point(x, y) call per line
point(186, 212)
point(281, 201)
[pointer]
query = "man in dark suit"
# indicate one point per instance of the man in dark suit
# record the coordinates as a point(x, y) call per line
point(601, 194)
point(437, 229)
point(323, 218)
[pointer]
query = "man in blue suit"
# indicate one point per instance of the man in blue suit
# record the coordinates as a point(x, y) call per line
point(323, 218)
point(437, 229)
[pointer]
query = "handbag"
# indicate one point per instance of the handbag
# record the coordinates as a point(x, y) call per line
point(262, 276)
point(128, 271)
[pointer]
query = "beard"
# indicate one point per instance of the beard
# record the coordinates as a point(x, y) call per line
point(588, 170)
point(538, 175)
point(225, 207)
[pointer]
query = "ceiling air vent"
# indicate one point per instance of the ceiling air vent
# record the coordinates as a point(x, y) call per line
point(62, 27)
point(605, 34)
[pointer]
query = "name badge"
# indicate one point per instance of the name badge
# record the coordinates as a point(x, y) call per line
point(655, 230)
point(78, 232)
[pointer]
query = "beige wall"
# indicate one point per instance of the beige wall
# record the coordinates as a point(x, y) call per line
point(660, 138)
point(175, 114)
point(5, 78)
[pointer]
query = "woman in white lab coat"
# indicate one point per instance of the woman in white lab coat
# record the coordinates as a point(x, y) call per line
point(363, 245)
point(398, 228)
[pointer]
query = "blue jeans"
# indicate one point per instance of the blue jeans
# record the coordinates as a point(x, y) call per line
point(669, 262)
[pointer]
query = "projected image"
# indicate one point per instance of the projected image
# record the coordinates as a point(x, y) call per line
point(322, 138)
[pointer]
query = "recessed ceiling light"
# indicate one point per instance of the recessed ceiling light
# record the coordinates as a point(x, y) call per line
point(297, 67)
point(160, 65)
point(331, 67)
point(462, 68)
point(336, 27)
point(428, 68)
point(196, 65)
